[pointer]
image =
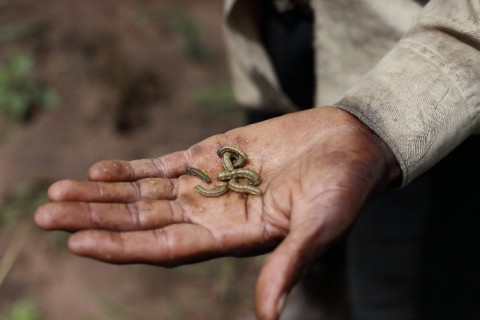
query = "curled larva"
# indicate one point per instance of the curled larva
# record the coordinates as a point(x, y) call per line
point(253, 177)
point(232, 154)
point(198, 173)
point(243, 188)
point(222, 188)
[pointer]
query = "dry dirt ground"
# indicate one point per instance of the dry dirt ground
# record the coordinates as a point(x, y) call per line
point(133, 79)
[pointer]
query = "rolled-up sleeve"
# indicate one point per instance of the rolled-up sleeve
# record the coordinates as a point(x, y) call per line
point(423, 98)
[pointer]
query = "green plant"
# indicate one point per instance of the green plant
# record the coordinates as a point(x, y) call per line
point(194, 45)
point(23, 310)
point(25, 200)
point(218, 100)
point(27, 197)
point(20, 93)
point(217, 97)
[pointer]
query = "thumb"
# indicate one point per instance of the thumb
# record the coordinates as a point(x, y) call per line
point(283, 269)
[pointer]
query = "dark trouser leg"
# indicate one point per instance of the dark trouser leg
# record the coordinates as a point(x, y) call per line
point(450, 269)
point(415, 253)
point(383, 254)
point(254, 116)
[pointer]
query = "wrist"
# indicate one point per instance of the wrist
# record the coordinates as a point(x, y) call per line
point(392, 173)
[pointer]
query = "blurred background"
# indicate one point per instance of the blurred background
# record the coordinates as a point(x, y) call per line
point(83, 81)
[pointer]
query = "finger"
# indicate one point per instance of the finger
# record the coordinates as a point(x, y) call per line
point(169, 246)
point(142, 215)
point(168, 166)
point(92, 191)
point(283, 269)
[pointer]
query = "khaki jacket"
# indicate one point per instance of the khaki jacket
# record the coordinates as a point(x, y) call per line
point(410, 73)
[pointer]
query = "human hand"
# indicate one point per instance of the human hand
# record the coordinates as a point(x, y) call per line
point(318, 168)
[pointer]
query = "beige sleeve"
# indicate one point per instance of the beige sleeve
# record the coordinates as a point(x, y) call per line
point(423, 98)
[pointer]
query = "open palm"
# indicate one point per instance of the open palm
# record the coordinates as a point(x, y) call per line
point(318, 168)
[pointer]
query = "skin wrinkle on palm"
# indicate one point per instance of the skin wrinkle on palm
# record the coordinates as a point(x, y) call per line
point(199, 228)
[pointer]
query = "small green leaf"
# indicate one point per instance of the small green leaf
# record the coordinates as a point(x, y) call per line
point(21, 65)
point(20, 93)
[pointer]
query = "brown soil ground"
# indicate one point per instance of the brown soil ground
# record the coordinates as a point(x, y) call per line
point(134, 79)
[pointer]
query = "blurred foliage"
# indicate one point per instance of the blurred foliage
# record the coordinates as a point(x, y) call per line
point(28, 197)
point(25, 200)
point(60, 238)
point(9, 257)
point(113, 309)
point(20, 93)
point(225, 290)
point(19, 30)
point(23, 310)
point(143, 17)
point(218, 100)
point(194, 45)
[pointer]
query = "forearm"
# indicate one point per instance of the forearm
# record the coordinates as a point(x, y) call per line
point(422, 98)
